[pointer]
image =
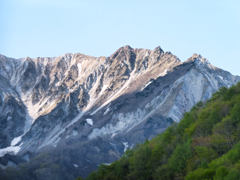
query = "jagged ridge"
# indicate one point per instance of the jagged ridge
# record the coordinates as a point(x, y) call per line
point(102, 105)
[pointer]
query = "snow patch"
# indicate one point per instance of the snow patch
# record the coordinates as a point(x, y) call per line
point(10, 150)
point(79, 69)
point(113, 135)
point(16, 140)
point(125, 146)
point(89, 121)
point(75, 165)
point(146, 85)
point(220, 77)
point(106, 111)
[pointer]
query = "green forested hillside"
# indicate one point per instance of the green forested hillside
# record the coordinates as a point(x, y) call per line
point(204, 145)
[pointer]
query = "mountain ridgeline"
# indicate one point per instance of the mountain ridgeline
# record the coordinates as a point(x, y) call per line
point(205, 144)
point(75, 112)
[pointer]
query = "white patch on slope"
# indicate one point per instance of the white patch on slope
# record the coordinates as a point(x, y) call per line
point(75, 165)
point(79, 69)
point(10, 150)
point(220, 77)
point(89, 121)
point(146, 85)
point(125, 146)
point(113, 135)
point(106, 111)
point(16, 140)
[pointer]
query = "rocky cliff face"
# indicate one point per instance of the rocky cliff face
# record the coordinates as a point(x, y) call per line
point(83, 111)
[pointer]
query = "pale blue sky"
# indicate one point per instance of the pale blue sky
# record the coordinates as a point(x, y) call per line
point(99, 27)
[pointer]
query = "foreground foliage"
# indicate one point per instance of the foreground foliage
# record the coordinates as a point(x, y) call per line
point(204, 145)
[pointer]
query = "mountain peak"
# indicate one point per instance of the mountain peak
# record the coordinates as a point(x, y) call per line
point(200, 61)
point(158, 50)
point(198, 58)
point(124, 49)
point(128, 48)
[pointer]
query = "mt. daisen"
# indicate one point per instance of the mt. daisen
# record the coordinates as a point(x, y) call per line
point(74, 112)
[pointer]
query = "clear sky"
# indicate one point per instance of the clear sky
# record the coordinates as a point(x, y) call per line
point(99, 27)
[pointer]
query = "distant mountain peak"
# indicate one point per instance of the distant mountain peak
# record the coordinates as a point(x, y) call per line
point(200, 61)
point(198, 58)
point(124, 49)
point(128, 49)
point(158, 50)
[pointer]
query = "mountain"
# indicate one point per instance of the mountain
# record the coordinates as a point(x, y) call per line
point(74, 112)
point(204, 145)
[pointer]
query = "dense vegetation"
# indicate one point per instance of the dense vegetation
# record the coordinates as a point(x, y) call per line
point(204, 145)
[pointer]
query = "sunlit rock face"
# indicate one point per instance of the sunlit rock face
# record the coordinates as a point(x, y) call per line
point(92, 109)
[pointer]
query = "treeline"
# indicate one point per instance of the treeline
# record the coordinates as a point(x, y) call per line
point(204, 145)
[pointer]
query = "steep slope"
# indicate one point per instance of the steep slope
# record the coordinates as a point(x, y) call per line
point(74, 83)
point(82, 111)
point(12, 115)
point(204, 145)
